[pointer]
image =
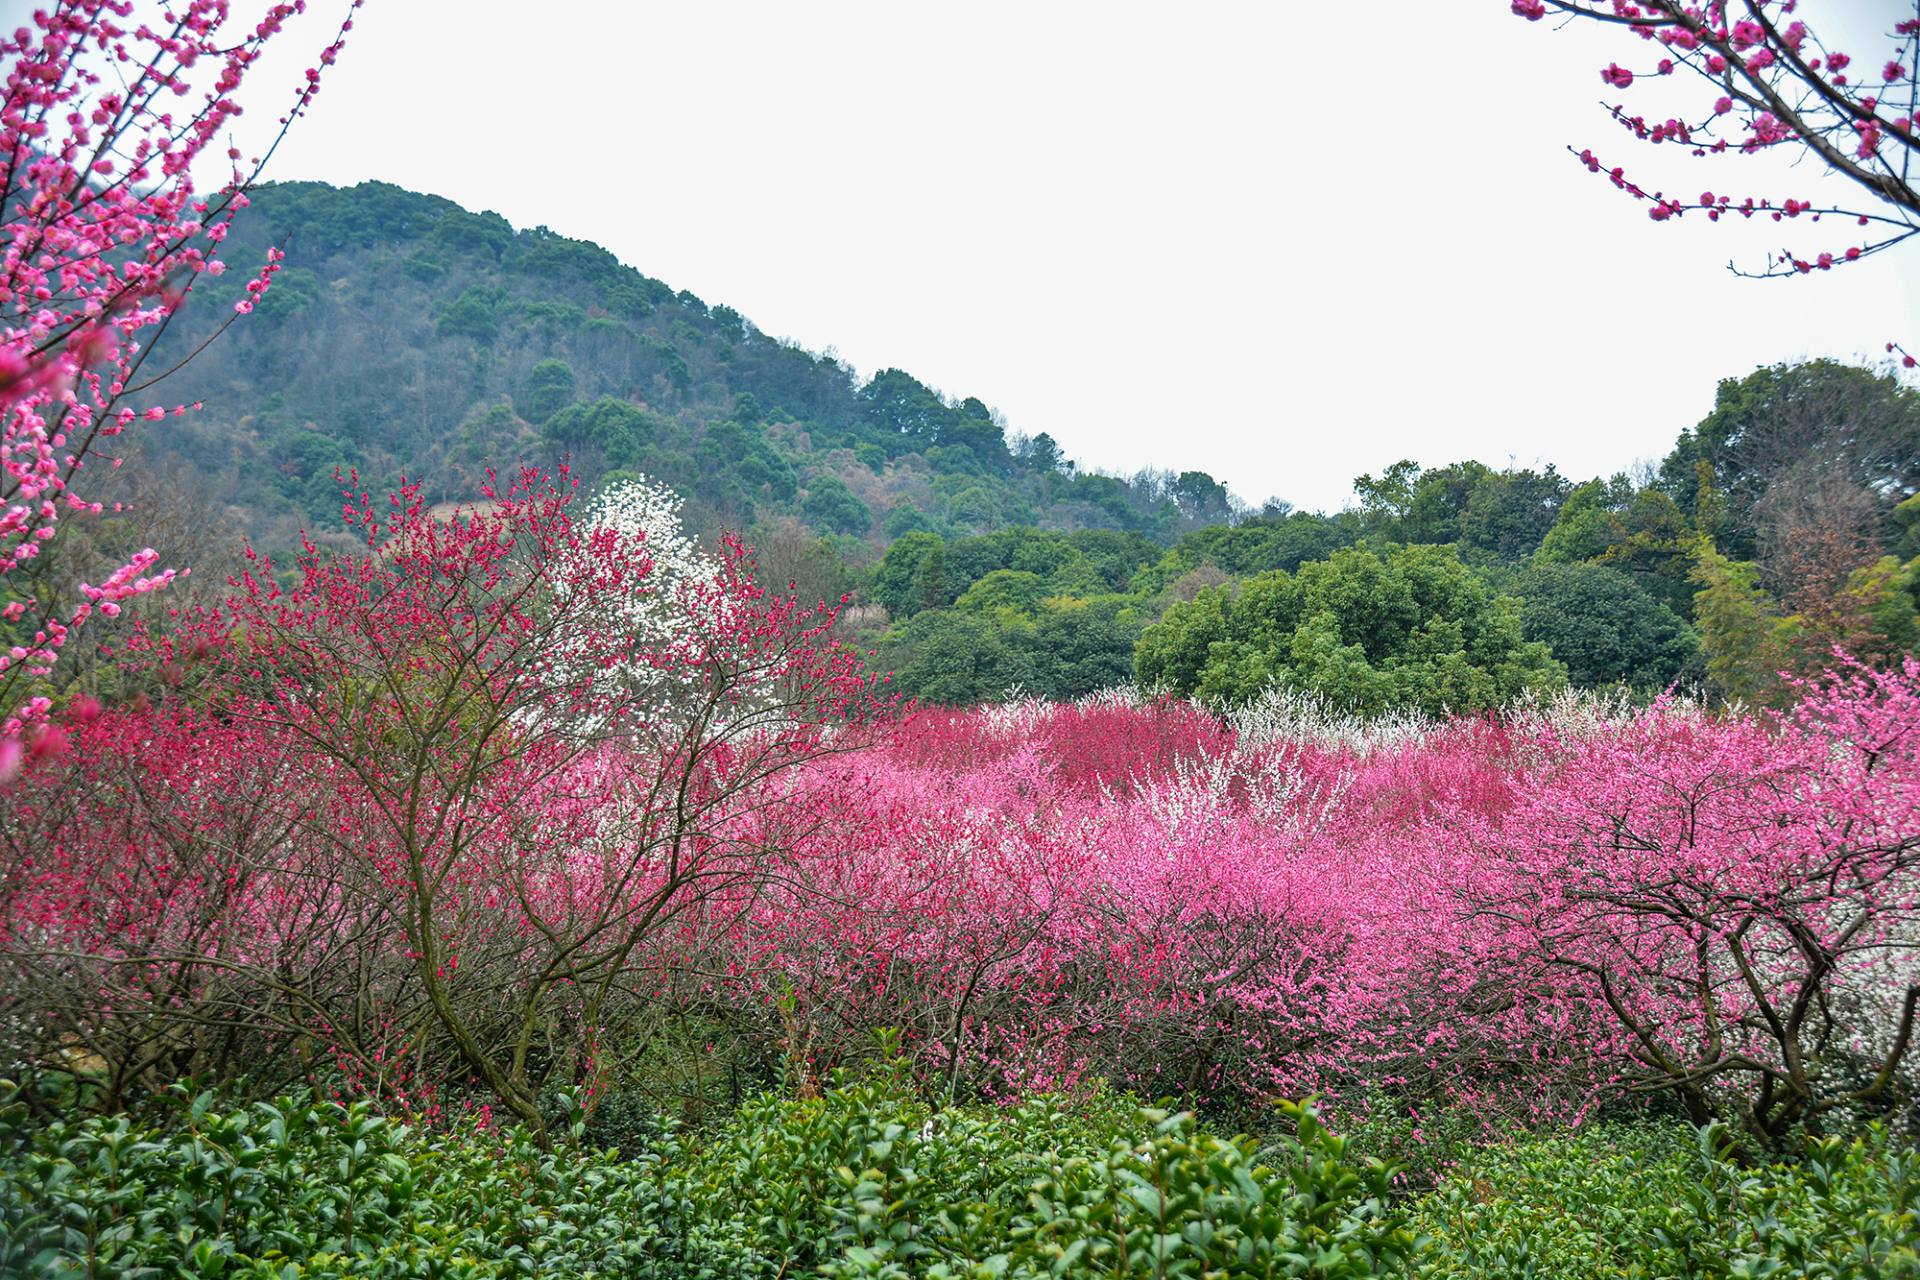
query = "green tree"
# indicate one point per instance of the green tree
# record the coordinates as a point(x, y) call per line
point(1201, 499)
point(1907, 517)
point(1081, 646)
point(1004, 591)
point(1605, 627)
point(899, 579)
point(615, 431)
point(905, 519)
point(1879, 611)
point(831, 505)
point(1777, 421)
point(930, 584)
point(1742, 633)
point(1411, 628)
point(951, 658)
point(1173, 654)
point(549, 389)
point(474, 314)
point(1583, 530)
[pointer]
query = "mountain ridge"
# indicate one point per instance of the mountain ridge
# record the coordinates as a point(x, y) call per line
point(406, 334)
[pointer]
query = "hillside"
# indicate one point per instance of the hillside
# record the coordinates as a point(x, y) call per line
point(406, 334)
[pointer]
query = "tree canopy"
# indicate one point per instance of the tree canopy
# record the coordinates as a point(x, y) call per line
point(1412, 627)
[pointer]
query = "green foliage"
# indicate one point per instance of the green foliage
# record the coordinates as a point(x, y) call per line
point(298, 1188)
point(901, 579)
point(1413, 628)
point(1004, 590)
point(866, 1182)
point(832, 506)
point(956, 659)
point(1257, 546)
point(450, 321)
point(1503, 514)
point(1605, 627)
point(1907, 517)
point(1425, 1142)
point(1583, 530)
point(1034, 611)
point(474, 314)
point(294, 291)
point(304, 466)
point(1773, 424)
point(1200, 499)
point(1741, 630)
point(740, 467)
point(549, 389)
point(474, 234)
point(1081, 646)
point(612, 430)
point(1647, 1201)
point(902, 414)
point(436, 312)
point(1884, 598)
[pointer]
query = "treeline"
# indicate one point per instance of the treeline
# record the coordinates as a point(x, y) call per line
point(408, 336)
point(1785, 524)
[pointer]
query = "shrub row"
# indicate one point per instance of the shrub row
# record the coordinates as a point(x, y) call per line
point(865, 1181)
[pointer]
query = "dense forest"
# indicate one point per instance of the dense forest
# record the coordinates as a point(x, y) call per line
point(988, 564)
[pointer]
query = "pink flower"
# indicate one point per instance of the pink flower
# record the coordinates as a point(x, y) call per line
point(1617, 76)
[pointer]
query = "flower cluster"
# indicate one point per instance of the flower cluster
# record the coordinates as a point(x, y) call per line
point(104, 234)
point(1770, 85)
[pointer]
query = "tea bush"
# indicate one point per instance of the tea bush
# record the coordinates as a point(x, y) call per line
point(297, 1188)
point(867, 1182)
point(1662, 1201)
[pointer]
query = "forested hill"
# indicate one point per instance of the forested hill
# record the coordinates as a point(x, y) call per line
point(406, 334)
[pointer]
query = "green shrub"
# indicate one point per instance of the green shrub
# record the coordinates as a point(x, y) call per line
point(868, 1182)
point(1657, 1201)
point(1424, 1142)
point(297, 1188)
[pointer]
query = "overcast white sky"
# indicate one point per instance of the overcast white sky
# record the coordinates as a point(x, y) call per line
point(1284, 243)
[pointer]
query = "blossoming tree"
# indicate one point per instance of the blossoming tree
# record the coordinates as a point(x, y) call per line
point(550, 799)
point(1769, 82)
point(109, 126)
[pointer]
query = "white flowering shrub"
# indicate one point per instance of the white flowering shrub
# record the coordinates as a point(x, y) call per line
point(661, 615)
point(649, 512)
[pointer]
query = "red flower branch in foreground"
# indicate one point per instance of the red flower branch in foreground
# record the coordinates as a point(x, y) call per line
point(103, 233)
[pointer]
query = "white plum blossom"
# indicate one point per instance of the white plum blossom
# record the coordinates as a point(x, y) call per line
point(650, 625)
point(657, 613)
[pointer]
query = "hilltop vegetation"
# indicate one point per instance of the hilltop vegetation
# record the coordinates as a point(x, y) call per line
point(405, 335)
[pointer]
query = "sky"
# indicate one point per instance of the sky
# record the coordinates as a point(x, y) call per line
point(1285, 244)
